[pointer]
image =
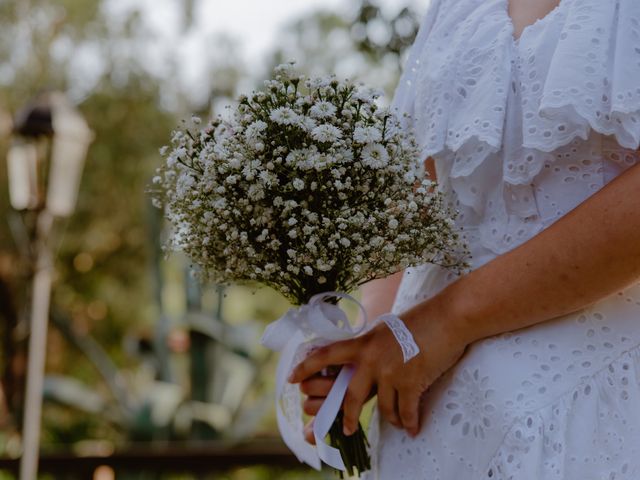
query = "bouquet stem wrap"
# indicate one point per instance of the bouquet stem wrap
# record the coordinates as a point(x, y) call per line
point(312, 325)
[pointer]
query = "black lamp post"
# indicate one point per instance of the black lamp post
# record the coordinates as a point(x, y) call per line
point(45, 162)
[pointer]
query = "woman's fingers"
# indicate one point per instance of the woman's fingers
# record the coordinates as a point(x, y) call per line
point(388, 404)
point(308, 433)
point(357, 394)
point(408, 407)
point(317, 386)
point(337, 353)
point(311, 405)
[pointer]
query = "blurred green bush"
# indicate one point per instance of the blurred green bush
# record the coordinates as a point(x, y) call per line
point(134, 340)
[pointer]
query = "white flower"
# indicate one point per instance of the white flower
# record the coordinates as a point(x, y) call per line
point(222, 131)
point(321, 82)
point(375, 156)
point(367, 135)
point(256, 192)
point(367, 95)
point(322, 110)
point(237, 197)
point(308, 124)
point(284, 116)
point(268, 178)
point(286, 70)
point(344, 155)
point(336, 173)
point(376, 241)
point(320, 161)
point(298, 158)
point(253, 133)
point(323, 266)
point(409, 177)
point(326, 133)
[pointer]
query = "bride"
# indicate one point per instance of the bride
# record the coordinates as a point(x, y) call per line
point(528, 115)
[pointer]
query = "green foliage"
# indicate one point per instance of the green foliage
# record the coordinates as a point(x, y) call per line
point(103, 257)
point(367, 46)
point(106, 284)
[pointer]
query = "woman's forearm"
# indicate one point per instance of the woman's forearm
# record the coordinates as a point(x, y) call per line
point(378, 295)
point(591, 252)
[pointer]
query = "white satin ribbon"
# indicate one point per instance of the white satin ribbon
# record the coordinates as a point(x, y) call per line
point(294, 334)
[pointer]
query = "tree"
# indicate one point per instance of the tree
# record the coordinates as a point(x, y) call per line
point(367, 46)
point(107, 254)
point(103, 257)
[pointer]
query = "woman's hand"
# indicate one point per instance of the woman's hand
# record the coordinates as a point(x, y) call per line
point(316, 388)
point(379, 363)
point(377, 298)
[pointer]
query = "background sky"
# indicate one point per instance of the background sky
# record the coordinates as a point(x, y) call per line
point(256, 22)
point(252, 24)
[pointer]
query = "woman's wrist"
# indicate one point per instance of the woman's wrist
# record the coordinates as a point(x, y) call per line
point(443, 315)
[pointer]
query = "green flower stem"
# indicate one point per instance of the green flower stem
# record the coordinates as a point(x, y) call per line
point(353, 448)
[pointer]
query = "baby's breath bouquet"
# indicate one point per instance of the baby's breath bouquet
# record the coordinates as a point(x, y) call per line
point(309, 187)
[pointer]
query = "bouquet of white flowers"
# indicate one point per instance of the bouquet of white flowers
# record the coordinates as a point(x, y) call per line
point(308, 188)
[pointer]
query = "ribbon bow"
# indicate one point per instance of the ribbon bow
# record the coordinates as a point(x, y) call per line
point(294, 334)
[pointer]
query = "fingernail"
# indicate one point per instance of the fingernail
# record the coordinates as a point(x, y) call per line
point(346, 430)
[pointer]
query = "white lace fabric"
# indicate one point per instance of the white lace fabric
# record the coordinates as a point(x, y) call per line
point(522, 131)
point(402, 335)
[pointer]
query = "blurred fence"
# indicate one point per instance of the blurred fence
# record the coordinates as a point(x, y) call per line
point(197, 460)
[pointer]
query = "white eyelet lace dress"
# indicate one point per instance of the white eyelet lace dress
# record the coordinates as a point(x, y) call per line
point(522, 132)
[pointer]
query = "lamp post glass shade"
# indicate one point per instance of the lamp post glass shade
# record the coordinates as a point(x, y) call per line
point(71, 140)
point(50, 118)
point(22, 165)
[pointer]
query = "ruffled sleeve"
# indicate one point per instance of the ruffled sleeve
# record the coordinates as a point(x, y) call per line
point(590, 79)
point(576, 72)
point(493, 111)
point(456, 62)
